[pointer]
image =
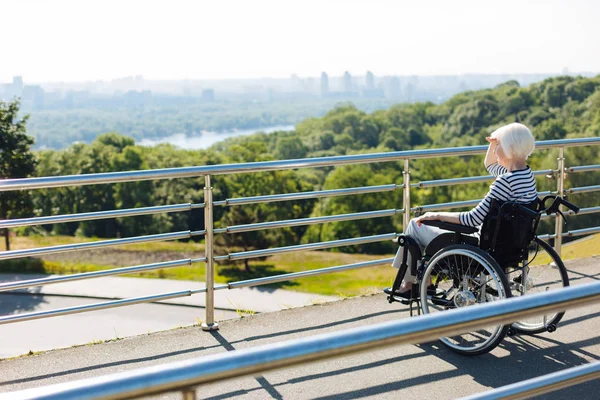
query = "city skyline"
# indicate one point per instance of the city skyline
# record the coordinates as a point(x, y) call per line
point(69, 41)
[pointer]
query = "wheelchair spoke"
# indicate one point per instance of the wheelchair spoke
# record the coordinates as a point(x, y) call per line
point(544, 273)
point(464, 277)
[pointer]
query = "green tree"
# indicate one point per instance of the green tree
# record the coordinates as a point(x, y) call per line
point(16, 161)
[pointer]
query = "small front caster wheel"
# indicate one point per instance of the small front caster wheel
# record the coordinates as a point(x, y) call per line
point(551, 328)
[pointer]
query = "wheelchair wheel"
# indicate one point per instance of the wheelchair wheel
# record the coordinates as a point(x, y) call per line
point(464, 276)
point(543, 272)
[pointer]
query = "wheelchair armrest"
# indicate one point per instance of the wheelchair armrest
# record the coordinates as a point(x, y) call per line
point(467, 230)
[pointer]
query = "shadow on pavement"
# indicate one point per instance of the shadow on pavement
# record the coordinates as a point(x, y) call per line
point(22, 300)
point(260, 379)
point(221, 340)
point(315, 327)
point(575, 276)
point(106, 365)
point(526, 360)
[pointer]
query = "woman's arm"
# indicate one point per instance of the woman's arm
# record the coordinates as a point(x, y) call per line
point(451, 217)
point(490, 156)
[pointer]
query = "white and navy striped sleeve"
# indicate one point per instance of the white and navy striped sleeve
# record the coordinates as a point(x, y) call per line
point(511, 186)
point(499, 190)
point(496, 169)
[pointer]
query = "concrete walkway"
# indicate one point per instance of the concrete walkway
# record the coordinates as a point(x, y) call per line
point(420, 371)
point(76, 329)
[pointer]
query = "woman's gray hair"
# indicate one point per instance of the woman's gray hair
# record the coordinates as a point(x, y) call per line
point(516, 140)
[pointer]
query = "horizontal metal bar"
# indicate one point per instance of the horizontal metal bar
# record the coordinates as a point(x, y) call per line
point(216, 287)
point(542, 384)
point(446, 206)
point(583, 168)
point(310, 246)
point(454, 181)
point(465, 180)
point(546, 237)
point(307, 195)
point(581, 232)
point(8, 319)
point(259, 359)
point(458, 204)
point(583, 189)
point(5, 255)
point(577, 232)
point(220, 169)
point(89, 275)
point(306, 221)
point(304, 274)
point(582, 211)
point(129, 212)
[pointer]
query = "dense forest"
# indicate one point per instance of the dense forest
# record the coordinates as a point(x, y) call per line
point(561, 107)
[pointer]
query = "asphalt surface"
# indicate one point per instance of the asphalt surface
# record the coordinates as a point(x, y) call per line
point(89, 327)
point(419, 371)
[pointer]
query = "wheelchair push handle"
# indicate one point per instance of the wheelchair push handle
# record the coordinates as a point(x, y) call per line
point(569, 205)
point(553, 209)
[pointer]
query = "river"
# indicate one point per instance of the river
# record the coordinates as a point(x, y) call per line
point(207, 139)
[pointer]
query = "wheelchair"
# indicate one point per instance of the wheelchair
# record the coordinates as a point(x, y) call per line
point(458, 269)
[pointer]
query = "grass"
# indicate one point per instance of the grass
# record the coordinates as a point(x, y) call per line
point(581, 248)
point(343, 284)
point(28, 242)
point(349, 283)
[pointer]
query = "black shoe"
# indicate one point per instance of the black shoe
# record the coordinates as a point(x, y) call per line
point(431, 291)
point(405, 295)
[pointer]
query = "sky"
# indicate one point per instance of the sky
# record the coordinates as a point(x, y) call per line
point(73, 40)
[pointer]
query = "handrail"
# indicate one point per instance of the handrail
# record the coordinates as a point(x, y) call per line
point(184, 375)
point(223, 169)
point(542, 384)
point(261, 166)
point(209, 231)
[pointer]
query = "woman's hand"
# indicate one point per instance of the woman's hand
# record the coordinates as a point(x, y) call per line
point(491, 139)
point(429, 216)
point(451, 217)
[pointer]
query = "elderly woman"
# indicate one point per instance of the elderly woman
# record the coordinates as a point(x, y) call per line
point(506, 159)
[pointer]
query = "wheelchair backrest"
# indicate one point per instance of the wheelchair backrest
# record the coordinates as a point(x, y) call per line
point(508, 229)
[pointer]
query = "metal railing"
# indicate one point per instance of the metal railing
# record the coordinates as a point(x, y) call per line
point(186, 375)
point(209, 231)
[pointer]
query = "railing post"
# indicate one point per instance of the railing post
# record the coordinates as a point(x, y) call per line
point(406, 195)
point(560, 190)
point(210, 323)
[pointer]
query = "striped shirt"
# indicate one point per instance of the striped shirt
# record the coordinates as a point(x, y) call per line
point(516, 185)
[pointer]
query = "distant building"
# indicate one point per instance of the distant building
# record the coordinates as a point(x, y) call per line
point(324, 84)
point(296, 82)
point(208, 95)
point(17, 86)
point(347, 82)
point(392, 88)
point(33, 96)
point(370, 80)
point(370, 91)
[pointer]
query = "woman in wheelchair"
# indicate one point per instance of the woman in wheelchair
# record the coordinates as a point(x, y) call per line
point(443, 264)
point(506, 159)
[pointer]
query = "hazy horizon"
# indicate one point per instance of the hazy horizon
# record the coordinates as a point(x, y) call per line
point(70, 41)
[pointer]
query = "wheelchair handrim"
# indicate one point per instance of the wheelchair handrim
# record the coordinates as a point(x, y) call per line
point(499, 330)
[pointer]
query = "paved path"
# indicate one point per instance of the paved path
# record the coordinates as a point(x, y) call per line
point(77, 329)
point(414, 372)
